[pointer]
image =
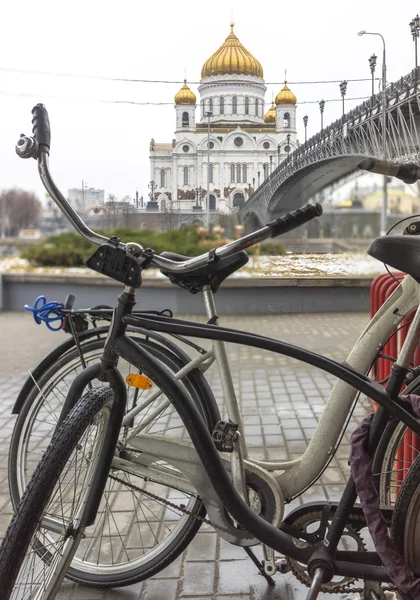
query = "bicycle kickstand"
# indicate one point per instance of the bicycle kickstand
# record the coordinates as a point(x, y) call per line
point(259, 565)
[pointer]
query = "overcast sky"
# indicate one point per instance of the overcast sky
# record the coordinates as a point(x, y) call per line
point(107, 144)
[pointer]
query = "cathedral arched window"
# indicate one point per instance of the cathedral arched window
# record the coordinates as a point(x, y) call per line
point(256, 107)
point(247, 105)
point(286, 120)
point(232, 173)
point(238, 174)
point(210, 173)
point(211, 105)
point(222, 105)
point(162, 178)
point(244, 173)
point(265, 167)
point(163, 204)
point(185, 175)
point(212, 202)
point(234, 105)
point(185, 119)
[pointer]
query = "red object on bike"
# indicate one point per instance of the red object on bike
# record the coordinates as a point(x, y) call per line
point(381, 288)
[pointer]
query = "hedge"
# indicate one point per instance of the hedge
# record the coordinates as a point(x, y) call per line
point(70, 250)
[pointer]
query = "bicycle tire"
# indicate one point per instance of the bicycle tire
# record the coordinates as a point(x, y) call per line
point(388, 467)
point(196, 386)
point(29, 535)
point(405, 523)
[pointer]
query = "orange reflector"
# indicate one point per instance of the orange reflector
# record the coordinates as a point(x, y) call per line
point(139, 381)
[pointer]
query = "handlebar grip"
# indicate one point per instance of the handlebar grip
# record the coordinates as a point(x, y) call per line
point(69, 301)
point(41, 127)
point(295, 219)
point(407, 172)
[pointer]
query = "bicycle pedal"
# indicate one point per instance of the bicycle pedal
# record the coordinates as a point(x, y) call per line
point(138, 381)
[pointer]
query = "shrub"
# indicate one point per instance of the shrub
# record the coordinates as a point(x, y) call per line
point(70, 250)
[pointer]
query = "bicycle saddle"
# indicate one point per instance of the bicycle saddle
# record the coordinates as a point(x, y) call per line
point(211, 274)
point(399, 251)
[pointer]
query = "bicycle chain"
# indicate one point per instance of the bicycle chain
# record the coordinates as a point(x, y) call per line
point(179, 507)
point(305, 581)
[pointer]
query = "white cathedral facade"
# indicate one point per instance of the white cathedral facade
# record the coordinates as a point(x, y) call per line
point(246, 143)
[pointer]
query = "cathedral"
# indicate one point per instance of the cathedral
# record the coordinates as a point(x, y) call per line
point(232, 145)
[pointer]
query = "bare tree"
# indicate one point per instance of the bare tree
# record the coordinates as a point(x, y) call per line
point(18, 210)
point(126, 209)
point(111, 211)
point(169, 218)
point(118, 211)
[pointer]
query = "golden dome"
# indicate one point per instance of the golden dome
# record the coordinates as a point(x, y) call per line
point(185, 95)
point(230, 58)
point(270, 115)
point(285, 97)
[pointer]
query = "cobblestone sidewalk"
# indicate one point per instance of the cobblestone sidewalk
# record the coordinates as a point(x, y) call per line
point(281, 401)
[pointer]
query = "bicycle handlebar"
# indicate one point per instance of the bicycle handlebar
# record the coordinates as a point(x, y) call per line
point(407, 172)
point(38, 147)
point(41, 127)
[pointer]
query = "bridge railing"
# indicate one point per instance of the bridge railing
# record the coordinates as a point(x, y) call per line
point(338, 135)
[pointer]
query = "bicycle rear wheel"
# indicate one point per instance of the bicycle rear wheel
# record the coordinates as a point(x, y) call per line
point(397, 450)
point(135, 535)
point(45, 530)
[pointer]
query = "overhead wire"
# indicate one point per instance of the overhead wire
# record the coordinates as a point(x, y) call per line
point(150, 103)
point(164, 81)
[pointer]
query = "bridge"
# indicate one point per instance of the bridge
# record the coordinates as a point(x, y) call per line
point(334, 153)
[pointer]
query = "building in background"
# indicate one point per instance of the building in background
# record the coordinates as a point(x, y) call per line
point(84, 198)
point(246, 141)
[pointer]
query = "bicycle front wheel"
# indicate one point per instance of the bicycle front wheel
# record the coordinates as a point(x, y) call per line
point(45, 531)
point(136, 534)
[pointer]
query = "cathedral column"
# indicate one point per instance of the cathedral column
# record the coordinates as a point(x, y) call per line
point(175, 180)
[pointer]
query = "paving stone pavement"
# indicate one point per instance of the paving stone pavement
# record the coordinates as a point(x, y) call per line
point(281, 401)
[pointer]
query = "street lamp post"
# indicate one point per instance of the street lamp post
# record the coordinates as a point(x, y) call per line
point(372, 66)
point(152, 204)
point(152, 187)
point(305, 122)
point(271, 164)
point(321, 108)
point(259, 178)
point(415, 30)
point(84, 187)
point(385, 189)
point(288, 144)
point(343, 90)
point(197, 198)
point(208, 115)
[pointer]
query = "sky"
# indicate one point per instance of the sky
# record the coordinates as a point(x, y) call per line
point(101, 132)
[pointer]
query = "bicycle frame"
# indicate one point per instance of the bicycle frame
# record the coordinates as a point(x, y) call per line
point(120, 345)
point(294, 476)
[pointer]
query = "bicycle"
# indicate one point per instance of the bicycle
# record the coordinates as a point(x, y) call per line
point(91, 423)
